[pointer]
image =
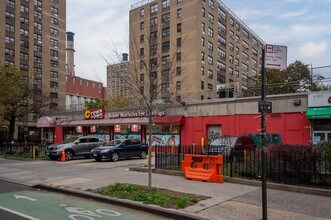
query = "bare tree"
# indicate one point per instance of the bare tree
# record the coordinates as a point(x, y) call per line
point(155, 76)
point(17, 99)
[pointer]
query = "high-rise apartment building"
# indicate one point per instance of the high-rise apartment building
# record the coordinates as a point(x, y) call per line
point(213, 48)
point(117, 75)
point(33, 37)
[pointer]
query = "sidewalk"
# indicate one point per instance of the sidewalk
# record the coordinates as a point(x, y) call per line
point(228, 200)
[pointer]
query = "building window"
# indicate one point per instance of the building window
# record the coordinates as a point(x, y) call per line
point(231, 22)
point(202, 70)
point(210, 60)
point(202, 41)
point(9, 40)
point(142, 51)
point(37, 15)
point(210, 32)
point(54, 21)
point(179, 13)
point(37, 37)
point(165, 3)
point(9, 52)
point(153, 22)
point(210, 87)
point(210, 46)
point(54, 11)
point(179, 57)
point(142, 24)
point(179, 27)
point(179, 42)
point(142, 38)
point(210, 74)
point(154, 8)
point(230, 71)
point(142, 12)
point(166, 18)
point(202, 85)
point(203, 28)
point(54, 43)
point(211, 4)
point(211, 18)
point(37, 48)
point(221, 14)
point(221, 27)
point(203, 56)
point(165, 46)
point(37, 26)
point(24, 32)
point(24, 9)
point(165, 59)
point(10, 28)
point(178, 85)
point(24, 20)
point(165, 32)
point(54, 32)
point(10, 3)
point(178, 71)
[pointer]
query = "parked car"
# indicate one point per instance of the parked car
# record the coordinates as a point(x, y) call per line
point(231, 147)
point(117, 149)
point(81, 146)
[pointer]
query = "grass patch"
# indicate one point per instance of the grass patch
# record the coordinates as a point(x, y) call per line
point(162, 197)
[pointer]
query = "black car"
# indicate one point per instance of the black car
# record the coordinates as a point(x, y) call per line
point(117, 149)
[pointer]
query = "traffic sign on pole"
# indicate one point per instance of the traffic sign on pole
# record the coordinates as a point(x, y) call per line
point(275, 57)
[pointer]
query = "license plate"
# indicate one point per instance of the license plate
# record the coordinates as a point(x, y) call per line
point(94, 155)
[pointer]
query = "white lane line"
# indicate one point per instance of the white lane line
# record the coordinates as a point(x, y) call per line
point(18, 213)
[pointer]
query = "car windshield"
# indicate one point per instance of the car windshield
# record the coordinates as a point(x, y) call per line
point(114, 143)
point(70, 139)
point(224, 142)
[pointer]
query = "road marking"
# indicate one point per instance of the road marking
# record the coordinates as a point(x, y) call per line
point(18, 213)
point(25, 197)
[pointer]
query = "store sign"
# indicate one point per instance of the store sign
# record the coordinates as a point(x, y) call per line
point(135, 114)
point(319, 99)
point(91, 114)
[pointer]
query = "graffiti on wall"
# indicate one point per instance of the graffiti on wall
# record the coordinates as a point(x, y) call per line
point(214, 132)
point(270, 139)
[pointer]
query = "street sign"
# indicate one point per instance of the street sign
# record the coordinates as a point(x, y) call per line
point(265, 107)
point(275, 57)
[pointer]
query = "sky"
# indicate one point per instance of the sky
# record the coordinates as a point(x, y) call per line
point(304, 26)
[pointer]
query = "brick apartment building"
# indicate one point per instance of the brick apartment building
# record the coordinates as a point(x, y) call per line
point(215, 50)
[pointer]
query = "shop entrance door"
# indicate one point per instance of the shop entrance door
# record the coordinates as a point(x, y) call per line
point(322, 136)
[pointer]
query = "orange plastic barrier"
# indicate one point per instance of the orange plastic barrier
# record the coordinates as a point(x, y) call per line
point(203, 167)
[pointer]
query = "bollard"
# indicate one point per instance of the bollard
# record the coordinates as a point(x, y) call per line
point(34, 152)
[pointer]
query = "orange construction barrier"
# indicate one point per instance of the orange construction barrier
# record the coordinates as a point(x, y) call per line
point(203, 167)
point(63, 156)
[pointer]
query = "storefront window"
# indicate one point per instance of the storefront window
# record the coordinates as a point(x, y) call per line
point(127, 131)
point(72, 132)
point(164, 135)
point(100, 132)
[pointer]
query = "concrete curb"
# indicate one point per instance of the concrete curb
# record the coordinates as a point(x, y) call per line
point(156, 210)
point(276, 186)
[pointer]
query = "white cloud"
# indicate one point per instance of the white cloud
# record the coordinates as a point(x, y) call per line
point(313, 50)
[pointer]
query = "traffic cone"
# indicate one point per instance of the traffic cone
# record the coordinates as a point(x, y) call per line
point(63, 156)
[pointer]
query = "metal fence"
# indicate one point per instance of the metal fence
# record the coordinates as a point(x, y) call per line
point(291, 166)
point(22, 150)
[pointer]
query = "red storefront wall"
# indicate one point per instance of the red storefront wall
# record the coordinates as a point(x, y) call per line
point(294, 128)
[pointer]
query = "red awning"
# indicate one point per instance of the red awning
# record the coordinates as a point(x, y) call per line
point(169, 120)
point(46, 122)
point(104, 122)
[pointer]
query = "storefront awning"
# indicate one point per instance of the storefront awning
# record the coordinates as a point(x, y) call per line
point(46, 122)
point(104, 122)
point(166, 120)
point(319, 113)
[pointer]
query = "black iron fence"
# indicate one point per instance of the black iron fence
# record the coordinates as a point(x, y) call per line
point(308, 166)
point(22, 150)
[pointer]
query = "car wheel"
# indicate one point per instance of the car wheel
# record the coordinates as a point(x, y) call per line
point(98, 159)
point(87, 156)
point(143, 155)
point(69, 155)
point(114, 157)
